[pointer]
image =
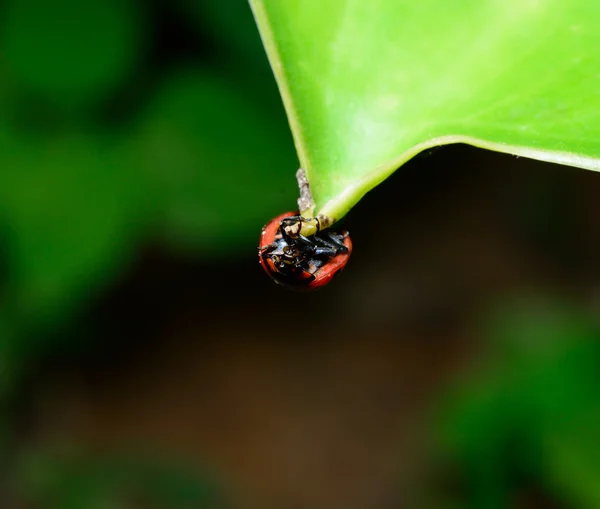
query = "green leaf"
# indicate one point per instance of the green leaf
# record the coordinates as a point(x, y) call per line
point(367, 85)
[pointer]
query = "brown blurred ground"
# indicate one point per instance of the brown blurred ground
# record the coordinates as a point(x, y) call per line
point(325, 400)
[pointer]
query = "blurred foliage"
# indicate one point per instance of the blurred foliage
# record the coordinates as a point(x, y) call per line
point(111, 132)
point(71, 53)
point(67, 482)
point(530, 412)
point(201, 211)
point(122, 121)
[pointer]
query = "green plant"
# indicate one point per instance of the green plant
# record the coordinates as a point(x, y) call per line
point(367, 85)
point(528, 412)
point(104, 145)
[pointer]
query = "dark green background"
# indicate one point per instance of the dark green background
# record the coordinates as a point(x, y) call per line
point(142, 147)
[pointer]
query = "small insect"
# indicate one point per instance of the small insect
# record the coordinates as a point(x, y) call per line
point(299, 262)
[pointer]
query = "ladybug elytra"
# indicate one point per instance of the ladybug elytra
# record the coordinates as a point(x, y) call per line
point(300, 262)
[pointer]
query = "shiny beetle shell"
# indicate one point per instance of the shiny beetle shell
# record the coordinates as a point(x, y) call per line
point(303, 263)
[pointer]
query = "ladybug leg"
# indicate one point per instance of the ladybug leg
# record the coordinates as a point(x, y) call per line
point(306, 245)
point(325, 248)
point(326, 251)
point(314, 246)
point(291, 220)
point(301, 239)
point(290, 227)
point(265, 250)
point(332, 242)
point(337, 240)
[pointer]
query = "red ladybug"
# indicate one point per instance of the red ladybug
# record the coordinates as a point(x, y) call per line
point(299, 262)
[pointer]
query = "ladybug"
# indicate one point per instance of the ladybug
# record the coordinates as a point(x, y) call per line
point(299, 262)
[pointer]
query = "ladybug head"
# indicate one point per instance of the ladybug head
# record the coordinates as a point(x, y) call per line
point(289, 255)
